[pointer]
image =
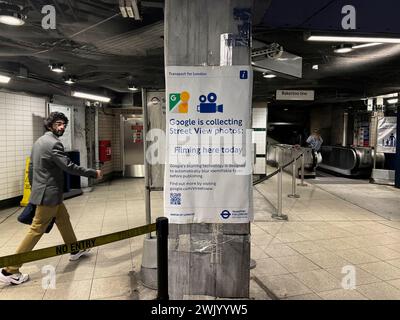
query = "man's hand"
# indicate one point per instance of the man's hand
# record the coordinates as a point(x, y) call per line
point(99, 174)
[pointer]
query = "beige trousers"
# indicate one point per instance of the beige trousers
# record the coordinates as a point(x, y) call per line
point(43, 216)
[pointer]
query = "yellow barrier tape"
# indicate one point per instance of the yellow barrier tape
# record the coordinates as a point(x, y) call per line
point(20, 258)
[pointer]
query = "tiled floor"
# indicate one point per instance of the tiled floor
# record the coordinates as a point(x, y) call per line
point(313, 255)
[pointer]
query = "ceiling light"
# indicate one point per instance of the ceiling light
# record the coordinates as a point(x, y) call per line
point(89, 96)
point(393, 101)
point(366, 45)
point(132, 88)
point(15, 19)
point(122, 8)
point(315, 67)
point(353, 39)
point(59, 68)
point(390, 95)
point(11, 14)
point(129, 9)
point(4, 79)
point(70, 80)
point(343, 48)
point(269, 75)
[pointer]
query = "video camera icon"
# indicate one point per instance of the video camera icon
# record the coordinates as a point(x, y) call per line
point(210, 106)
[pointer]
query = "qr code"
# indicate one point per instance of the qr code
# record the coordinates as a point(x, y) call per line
point(175, 198)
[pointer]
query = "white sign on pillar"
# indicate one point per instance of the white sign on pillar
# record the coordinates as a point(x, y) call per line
point(387, 129)
point(208, 172)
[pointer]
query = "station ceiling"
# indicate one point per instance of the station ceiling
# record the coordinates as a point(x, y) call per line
point(107, 52)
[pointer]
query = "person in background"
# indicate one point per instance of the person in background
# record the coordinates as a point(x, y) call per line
point(48, 161)
point(315, 141)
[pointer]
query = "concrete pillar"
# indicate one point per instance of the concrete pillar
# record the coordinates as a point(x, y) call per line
point(397, 166)
point(206, 259)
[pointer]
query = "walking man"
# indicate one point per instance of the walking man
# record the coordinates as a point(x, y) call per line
point(48, 161)
point(315, 141)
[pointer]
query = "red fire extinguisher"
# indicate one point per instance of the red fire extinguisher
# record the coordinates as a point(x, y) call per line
point(104, 150)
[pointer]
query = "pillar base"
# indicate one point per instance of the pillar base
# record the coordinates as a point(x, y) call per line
point(280, 217)
point(148, 269)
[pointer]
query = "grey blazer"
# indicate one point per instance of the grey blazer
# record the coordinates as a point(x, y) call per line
point(48, 161)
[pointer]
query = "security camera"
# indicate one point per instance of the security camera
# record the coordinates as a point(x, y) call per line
point(274, 51)
point(271, 51)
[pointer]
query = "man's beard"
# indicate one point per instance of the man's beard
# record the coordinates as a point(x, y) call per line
point(58, 133)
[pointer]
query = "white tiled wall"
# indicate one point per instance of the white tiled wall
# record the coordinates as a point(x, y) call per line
point(21, 123)
point(260, 118)
point(117, 143)
point(259, 166)
point(259, 138)
point(106, 124)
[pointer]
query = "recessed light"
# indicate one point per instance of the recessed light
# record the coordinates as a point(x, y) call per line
point(131, 87)
point(90, 96)
point(10, 14)
point(343, 48)
point(4, 79)
point(59, 68)
point(70, 80)
point(12, 20)
point(353, 39)
point(269, 75)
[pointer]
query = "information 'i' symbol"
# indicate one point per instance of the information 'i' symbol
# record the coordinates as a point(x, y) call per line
point(184, 107)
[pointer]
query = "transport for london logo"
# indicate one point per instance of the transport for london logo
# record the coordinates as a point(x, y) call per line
point(178, 102)
point(225, 214)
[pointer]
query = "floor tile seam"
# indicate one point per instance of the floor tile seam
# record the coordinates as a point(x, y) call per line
point(264, 288)
point(317, 293)
point(345, 200)
point(376, 276)
point(384, 282)
point(380, 259)
point(95, 263)
point(331, 272)
point(387, 282)
point(91, 280)
point(321, 267)
point(303, 283)
point(265, 198)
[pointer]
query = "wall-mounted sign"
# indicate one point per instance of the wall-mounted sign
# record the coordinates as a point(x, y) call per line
point(387, 134)
point(208, 171)
point(137, 133)
point(307, 95)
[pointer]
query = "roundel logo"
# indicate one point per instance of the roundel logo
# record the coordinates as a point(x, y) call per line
point(225, 214)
